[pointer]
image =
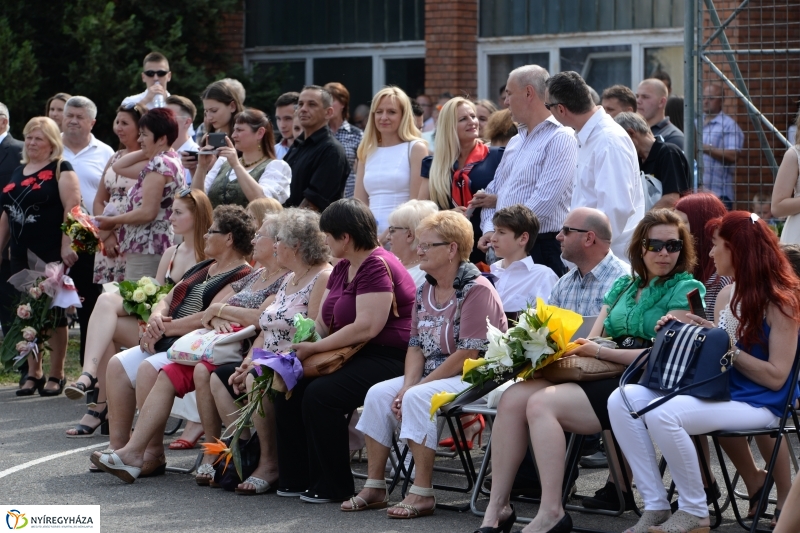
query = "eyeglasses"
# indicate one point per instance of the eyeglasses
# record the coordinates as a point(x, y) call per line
point(566, 229)
point(548, 106)
point(425, 246)
point(655, 245)
point(258, 236)
point(212, 231)
point(151, 73)
point(392, 229)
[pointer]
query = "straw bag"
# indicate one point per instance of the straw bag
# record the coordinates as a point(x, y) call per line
point(576, 368)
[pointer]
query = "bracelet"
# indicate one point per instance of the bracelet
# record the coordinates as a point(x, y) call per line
point(735, 355)
point(597, 355)
point(220, 310)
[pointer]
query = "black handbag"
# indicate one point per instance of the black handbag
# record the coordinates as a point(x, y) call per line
point(227, 477)
point(165, 343)
point(685, 359)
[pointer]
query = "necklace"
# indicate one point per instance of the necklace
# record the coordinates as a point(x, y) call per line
point(442, 301)
point(297, 280)
point(266, 275)
point(242, 161)
point(208, 273)
point(410, 263)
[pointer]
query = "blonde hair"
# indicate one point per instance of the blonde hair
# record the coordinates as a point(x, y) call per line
point(451, 227)
point(261, 207)
point(51, 132)
point(446, 151)
point(410, 214)
point(407, 131)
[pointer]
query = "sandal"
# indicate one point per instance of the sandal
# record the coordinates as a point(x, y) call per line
point(83, 431)
point(78, 390)
point(370, 484)
point(681, 522)
point(648, 519)
point(203, 472)
point(411, 511)
point(183, 444)
point(53, 392)
point(111, 463)
point(38, 385)
point(261, 487)
point(754, 499)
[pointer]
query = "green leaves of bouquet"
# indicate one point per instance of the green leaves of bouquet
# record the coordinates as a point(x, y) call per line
point(139, 297)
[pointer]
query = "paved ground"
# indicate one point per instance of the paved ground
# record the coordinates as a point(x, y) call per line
point(33, 430)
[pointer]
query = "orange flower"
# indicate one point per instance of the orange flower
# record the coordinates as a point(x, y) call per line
point(220, 449)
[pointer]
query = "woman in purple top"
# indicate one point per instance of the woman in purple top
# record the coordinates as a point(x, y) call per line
point(146, 232)
point(369, 298)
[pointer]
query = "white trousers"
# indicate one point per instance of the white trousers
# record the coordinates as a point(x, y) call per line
point(670, 427)
point(378, 420)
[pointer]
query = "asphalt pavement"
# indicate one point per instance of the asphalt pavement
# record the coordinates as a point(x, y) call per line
point(39, 465)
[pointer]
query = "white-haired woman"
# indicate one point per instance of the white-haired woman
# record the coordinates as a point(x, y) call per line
point(402, 236)
point(462, 164)
point(389, 156)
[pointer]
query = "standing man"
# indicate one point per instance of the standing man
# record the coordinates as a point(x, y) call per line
point(426, 103)
point(617, 99)
point(347, 134)
point(722, 141)
point(88, 157)
point(318, 161)
point(155, 75)
point(185, 112)
point(10, 156)
point(607, 173)
point(651, 101)
point(537, 168)
point(284, 118)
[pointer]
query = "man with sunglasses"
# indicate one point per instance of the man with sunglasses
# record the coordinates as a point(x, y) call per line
point(155, 75)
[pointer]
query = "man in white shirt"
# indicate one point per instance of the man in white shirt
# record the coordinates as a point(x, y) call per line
point(284, 118)
point(155, 75)
point(537, 169)
point(185, 111)
point(88, 157)
point(607, 173)
point(519, 280)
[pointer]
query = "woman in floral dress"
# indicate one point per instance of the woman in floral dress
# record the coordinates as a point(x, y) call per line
point(109, 265)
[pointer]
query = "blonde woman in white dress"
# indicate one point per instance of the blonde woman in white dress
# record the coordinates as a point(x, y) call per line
point(786, 193)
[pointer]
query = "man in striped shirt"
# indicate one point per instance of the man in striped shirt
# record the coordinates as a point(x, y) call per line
point(537, 168)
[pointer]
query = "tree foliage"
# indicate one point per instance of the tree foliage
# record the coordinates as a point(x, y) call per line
point(95, 48)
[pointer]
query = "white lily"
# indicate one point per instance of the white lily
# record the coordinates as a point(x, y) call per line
point(498, 350)
point(537, 346)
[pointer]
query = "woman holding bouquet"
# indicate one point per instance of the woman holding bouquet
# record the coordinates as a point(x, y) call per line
point(662, 256)
point(448, 326)
point(37, 199)
point(110, 326)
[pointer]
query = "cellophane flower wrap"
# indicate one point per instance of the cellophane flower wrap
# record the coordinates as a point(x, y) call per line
point(35, 311)
point(139, 297)
point(276, 373)
point(540, 336)
point(82, 231)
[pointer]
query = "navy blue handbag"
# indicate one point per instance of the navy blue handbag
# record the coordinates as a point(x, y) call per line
point(685, 359)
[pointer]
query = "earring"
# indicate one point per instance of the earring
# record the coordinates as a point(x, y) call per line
point(451, 259)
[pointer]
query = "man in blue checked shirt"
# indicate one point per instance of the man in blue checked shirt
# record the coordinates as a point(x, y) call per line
point(722, 141)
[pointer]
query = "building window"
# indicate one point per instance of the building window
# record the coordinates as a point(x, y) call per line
point(501, 65)
point(355, 73)
point(408, 74)
point(290, 75)
point(600, 66)
point(667, 59)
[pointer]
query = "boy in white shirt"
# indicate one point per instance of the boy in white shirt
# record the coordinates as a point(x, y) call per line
point(519, 280)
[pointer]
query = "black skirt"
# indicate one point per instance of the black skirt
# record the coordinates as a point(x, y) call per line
point(598, 393)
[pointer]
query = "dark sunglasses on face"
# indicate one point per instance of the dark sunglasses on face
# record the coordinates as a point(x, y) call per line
point(151, 73)
point(566, 229)
point(655, 245)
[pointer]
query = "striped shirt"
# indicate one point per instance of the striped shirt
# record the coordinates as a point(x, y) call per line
point(584, 294)
point(537, 170)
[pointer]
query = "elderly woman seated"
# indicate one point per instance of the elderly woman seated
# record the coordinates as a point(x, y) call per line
point(301, 253)
point(402, 234)
point(448, 326)
point(227, 244)
point(662, 256)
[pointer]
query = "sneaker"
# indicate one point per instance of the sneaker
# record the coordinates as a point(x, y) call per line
point(596, 460)
point(314, 498)
point(290, 493)
point(606, 498)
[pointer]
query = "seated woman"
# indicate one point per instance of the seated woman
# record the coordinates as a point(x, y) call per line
point(761, 313)
point(252, 294)
point(300, 249)
point(368, 299)
point(110, 326)
point(661, 255)
point(227, 246)
point(402, 235)
point(455, 294)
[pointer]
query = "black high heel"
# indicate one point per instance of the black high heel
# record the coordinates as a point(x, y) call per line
point(563, 526)
point(83, 431)
point(38, 385)
point(503, 527)
point(53, 392)
point(78, 390)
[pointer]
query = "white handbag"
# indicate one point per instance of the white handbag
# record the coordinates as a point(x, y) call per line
point(208, 345)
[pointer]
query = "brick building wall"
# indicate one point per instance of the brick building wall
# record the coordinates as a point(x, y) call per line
point(232, 34)
point(451, 47)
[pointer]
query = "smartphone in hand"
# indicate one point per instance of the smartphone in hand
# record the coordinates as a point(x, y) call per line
point(217, 140)
point(695, 302)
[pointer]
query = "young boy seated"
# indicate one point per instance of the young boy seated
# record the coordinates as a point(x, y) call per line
point(519, 280)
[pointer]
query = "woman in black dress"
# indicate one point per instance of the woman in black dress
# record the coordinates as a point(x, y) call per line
point(34, 203)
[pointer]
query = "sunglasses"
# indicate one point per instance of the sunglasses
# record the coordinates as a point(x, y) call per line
point(151, 73)
point(566, 229)
point(213, 231)
point(655, 245)
point(548, 106)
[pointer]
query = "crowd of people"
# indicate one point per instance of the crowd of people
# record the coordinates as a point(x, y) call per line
point(408, 236)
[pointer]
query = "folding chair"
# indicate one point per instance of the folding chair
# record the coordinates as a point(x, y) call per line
point(776, 433)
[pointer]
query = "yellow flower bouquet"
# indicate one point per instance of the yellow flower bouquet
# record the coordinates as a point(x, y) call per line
point(541, 335)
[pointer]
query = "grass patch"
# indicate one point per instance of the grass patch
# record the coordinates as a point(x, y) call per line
point(72, 366)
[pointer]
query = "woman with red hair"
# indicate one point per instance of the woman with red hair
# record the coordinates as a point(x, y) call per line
point(761, 313)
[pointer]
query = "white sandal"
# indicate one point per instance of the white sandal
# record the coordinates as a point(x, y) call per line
point(261, 486)
point(411, 511)
point(370, 484)
point(111, 463)
point(205, 469)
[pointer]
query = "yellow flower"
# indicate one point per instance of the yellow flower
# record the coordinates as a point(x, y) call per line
point(471, 364)
point(562, 323)
point(439, 399)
